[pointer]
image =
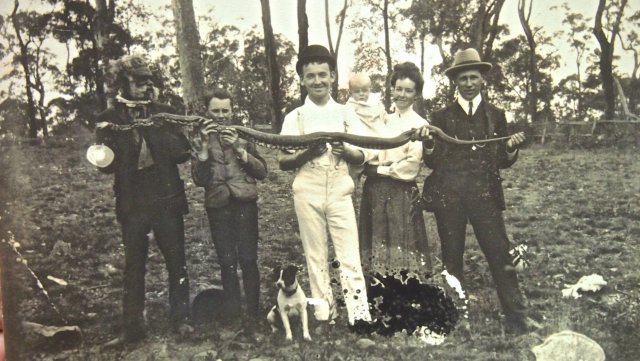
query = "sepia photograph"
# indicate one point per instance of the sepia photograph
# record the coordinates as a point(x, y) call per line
point(335, 180)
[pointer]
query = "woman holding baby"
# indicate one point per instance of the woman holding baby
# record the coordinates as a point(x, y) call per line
point(392, 238)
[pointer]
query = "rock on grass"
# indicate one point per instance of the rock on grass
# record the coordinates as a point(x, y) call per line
point(365, 343)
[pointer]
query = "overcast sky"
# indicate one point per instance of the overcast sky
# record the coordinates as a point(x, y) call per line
point(247, 13)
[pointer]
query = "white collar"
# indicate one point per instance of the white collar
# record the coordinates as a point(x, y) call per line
point(409, 112)
point(465, 103)
point(308, 103)
point(131, 103)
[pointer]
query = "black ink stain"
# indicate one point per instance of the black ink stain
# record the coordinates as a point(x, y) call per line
point(401, 302)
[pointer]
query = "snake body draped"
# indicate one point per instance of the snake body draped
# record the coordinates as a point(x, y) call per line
point(297, 141)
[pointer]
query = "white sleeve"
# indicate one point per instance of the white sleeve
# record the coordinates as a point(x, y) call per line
point(408, 167)
point(290, 124)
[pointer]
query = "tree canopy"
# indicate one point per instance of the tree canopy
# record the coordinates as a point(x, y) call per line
point(58, 54)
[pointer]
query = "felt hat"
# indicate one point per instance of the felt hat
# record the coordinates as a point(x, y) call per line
point(209, 305)
point(465, 60)
point(314, 53)
point(141, 71)
point(100, 155)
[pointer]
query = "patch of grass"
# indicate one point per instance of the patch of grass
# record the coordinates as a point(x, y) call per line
point(577, 210)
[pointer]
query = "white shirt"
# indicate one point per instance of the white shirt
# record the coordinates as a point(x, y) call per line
point(330, 117)
point(465, 103)
point(406, 159)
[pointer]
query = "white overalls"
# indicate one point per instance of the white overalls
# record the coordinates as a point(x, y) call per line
point(322, 198)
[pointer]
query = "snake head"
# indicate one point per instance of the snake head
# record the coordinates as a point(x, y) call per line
point(414, 134)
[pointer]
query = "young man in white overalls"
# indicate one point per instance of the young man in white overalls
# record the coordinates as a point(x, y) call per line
point(322, 187)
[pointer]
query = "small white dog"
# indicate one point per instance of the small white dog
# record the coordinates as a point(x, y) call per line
point(291, 302)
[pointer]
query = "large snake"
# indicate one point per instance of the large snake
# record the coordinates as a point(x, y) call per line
point(298, 141)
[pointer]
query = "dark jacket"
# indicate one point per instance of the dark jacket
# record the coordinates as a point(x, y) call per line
point(497, 151)
point(160, 185)
point(224, 176)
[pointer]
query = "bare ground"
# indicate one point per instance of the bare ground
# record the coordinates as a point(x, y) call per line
point(578, 211)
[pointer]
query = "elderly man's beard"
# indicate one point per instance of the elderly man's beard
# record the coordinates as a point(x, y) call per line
point(147, 95)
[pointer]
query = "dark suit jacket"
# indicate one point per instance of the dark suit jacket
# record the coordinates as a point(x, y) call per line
point(445, 120)
point(168, 147)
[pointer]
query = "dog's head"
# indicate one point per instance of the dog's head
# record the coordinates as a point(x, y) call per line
point(285, 278)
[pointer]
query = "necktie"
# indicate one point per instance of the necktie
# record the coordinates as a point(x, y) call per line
point(145, 158)
point(470, 109)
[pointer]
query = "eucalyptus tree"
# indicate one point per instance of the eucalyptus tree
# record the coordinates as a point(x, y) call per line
point(578, 36)
point(97, 39)
point(32, 62)
point(631, 43)
point(381, 17)
point(303, 36)
point(334, 49)
point(272, 67)
point(524, 14)
point(189, 54)
point(612, 12)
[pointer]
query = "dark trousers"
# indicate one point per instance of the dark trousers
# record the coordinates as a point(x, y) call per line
point(168, 230)
point(234, 229)
point(466, 199)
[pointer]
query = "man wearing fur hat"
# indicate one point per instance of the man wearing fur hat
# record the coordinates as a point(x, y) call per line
point(150, 198)
point(322, 187)
point(465, 185)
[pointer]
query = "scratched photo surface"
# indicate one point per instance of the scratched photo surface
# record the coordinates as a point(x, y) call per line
point(572, 211)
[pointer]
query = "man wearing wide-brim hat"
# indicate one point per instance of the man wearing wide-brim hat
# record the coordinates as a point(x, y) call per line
point(465, 185)
point(149, 193)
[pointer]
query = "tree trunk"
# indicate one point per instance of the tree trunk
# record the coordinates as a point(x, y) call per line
point(67, 75)
point(634, 72)
point(332, 50)
point(189, 55)
point(303, 37)
point(623, 101)
point(445, 59)
point(476, 33)
point(422, 37)
point(272, 65)
point(24, 61)
point(38, 85)
point(101, 23)
point(387, 53)
point(532, 95)
point(493, 17)
point(579, 105)
point(607, 47)
point(41, 108)
point(484, 27)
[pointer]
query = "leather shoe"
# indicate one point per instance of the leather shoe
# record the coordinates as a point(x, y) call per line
point(183, 329)
point(126, 338)
point(324, 328)
point(521, 325)
point(362, 327)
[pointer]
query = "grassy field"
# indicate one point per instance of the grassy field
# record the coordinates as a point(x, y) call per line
point(578, 211)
